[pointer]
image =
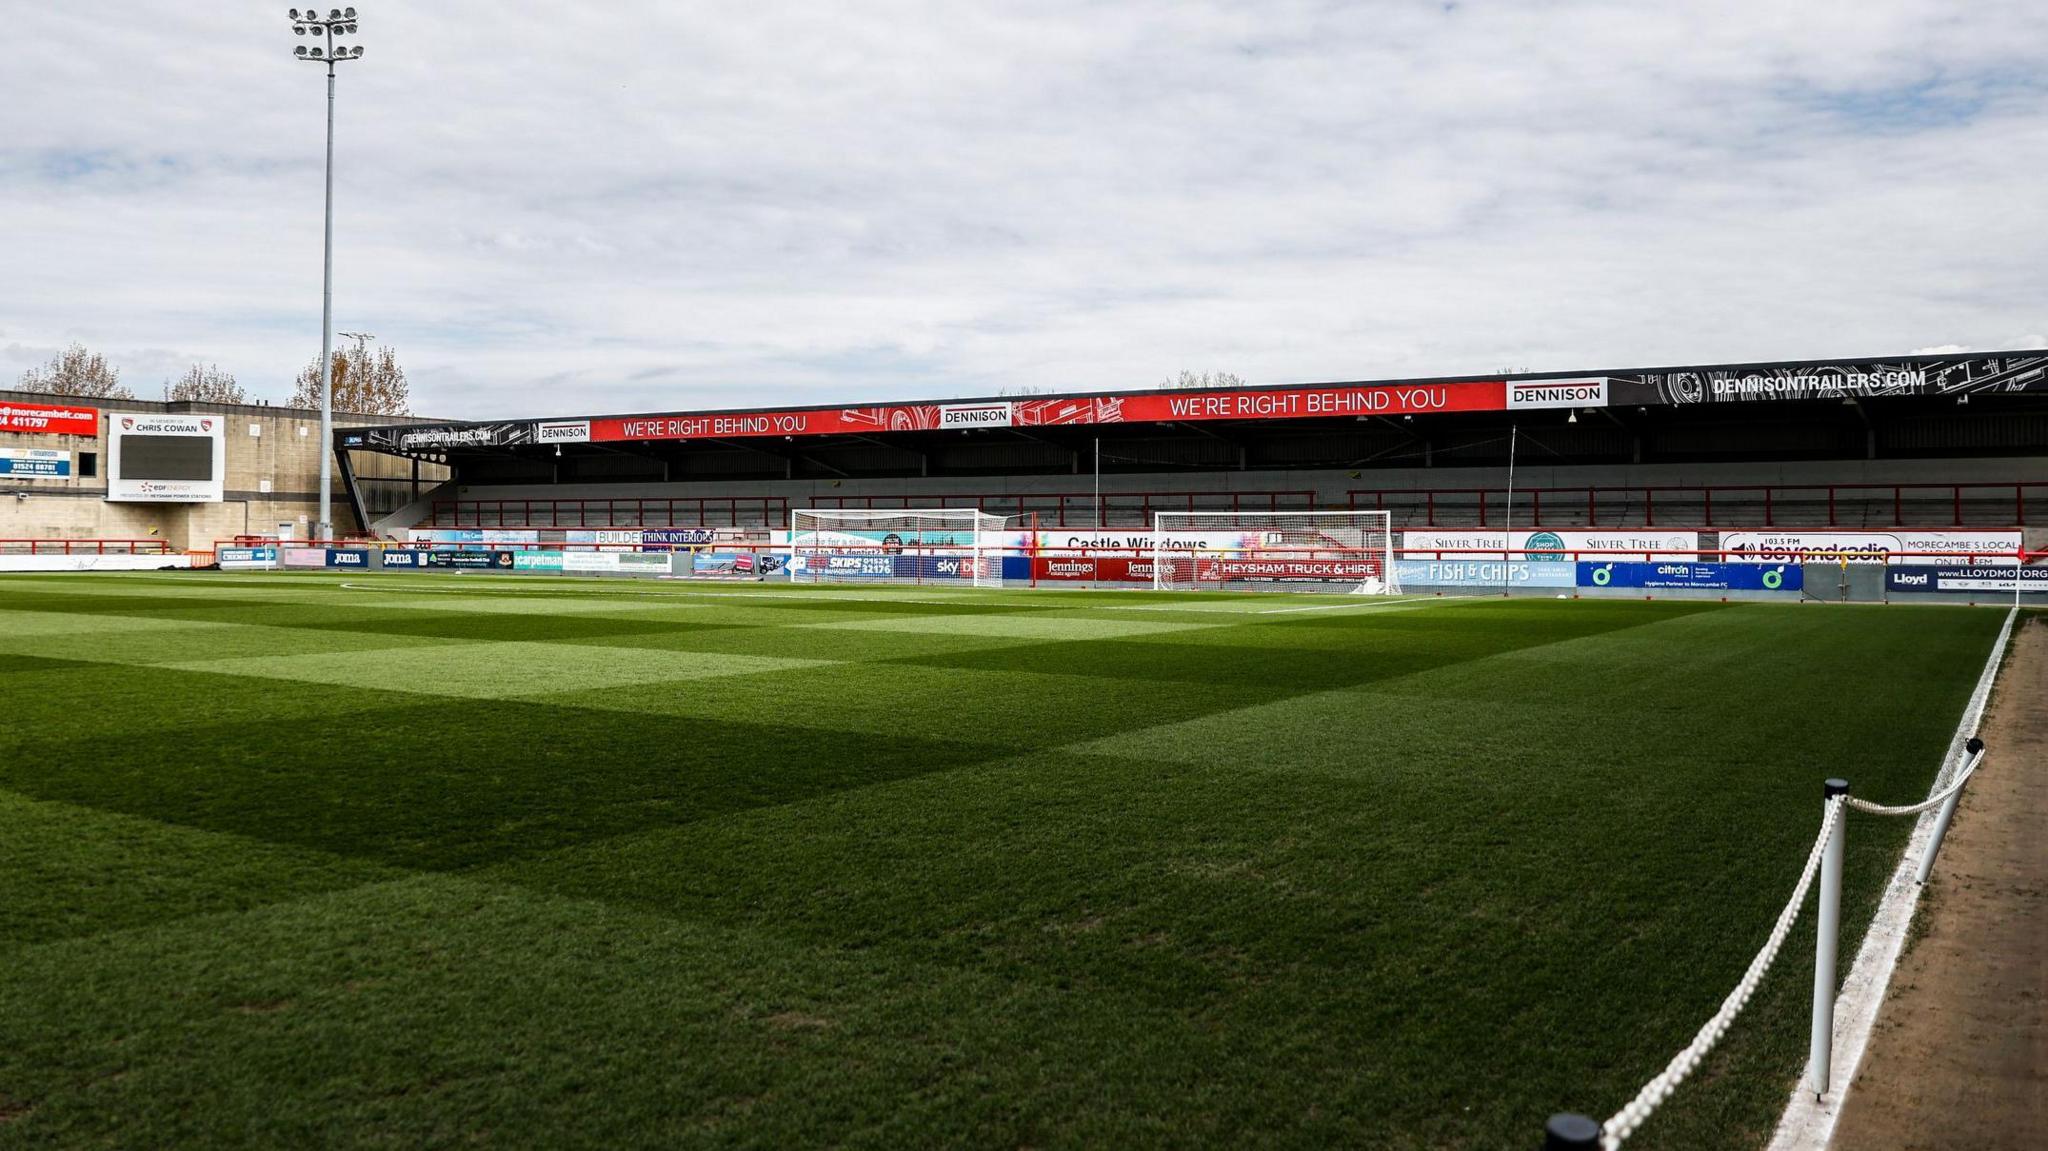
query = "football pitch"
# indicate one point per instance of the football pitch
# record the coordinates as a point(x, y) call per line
point(428, 861)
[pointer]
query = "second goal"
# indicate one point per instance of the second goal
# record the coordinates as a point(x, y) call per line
point(1340, 551)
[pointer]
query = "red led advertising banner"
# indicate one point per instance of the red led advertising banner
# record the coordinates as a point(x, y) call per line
point(63, 421)
point(1160, 407)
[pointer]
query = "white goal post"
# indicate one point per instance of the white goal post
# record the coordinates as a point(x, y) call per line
point(960, 547)
point(1342, 551)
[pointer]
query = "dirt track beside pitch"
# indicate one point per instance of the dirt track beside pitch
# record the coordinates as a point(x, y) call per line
point(1959, 1057)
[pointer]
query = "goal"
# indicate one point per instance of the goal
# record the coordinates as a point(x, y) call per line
point(957, 546)
point(1342, 551)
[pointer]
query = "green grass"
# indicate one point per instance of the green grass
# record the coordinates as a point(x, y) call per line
point(443, 860)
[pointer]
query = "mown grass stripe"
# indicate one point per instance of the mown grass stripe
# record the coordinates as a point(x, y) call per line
point(1289, 880)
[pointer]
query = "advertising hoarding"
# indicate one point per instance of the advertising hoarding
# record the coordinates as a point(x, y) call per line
point(246, 559)
point(473, 535)
point(1583, 392)
point(605, 537)
point(35, 463)
point(1149, 407)
point(1959, 578)
point(1833, 380)
point(1312, 570)
point(1960, 546)
point(990, 415)
point(1545, 544)
point(433, 438)
point(734, 565)
point(469, 559)
point(1785, 577)
point(50, 419)
point(1486, 573)
point(1091, 569)
point(677, 537)
point(884, 566)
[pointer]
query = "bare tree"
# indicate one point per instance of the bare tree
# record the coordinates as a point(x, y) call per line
point(1188, 379)
point(77, 372)
point(1024, 390)
point(365, 382)
point(206, 384)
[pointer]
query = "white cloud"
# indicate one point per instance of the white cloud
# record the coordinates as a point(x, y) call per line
point(621, 206)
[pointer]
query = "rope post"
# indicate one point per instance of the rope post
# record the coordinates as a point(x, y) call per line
point(1568, 1132)
point(1827, 942)
point(1975, 751)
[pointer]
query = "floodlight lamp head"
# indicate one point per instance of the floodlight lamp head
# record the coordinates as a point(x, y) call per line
point(358, 52)
point(300, 51)
point(349, 12)
point(315, 53)
point(334, 14)
point(298, 29)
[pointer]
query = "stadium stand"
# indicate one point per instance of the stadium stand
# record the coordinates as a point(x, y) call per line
point(1948, 442)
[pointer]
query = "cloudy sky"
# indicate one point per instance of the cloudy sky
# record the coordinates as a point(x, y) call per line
point(557, 207)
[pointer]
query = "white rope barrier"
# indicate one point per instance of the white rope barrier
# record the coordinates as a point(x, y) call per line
point(1575, 1131)
point(1928, 804)
point(1656, 1091)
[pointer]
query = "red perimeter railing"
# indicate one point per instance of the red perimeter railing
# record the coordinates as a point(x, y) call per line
point(142, 547)
point(1847, 505)
point(1858, 505)
point(1054, 509)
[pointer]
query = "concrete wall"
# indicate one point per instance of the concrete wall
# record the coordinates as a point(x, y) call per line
point(273, 477)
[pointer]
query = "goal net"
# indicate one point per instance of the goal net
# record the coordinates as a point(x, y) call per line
point(1342, 551)
point(958, 546)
